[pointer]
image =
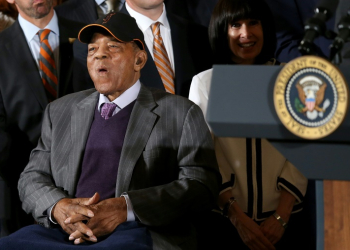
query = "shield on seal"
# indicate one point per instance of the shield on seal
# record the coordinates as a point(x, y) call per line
point(310, 103)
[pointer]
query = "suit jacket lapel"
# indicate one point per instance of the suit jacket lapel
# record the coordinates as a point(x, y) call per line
point(30, 72)
point(81, 121)
point(140, 126)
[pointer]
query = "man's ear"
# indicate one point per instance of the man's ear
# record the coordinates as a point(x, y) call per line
point(140, 60)
point(11, 1)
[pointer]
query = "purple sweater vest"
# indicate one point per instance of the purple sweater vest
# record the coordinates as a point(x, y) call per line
point(102, 154)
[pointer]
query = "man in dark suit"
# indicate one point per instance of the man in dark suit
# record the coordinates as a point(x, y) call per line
point(151, 147)
point(187, 44)
point(23, 96)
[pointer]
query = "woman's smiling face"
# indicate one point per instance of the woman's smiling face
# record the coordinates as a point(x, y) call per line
point(246, 39)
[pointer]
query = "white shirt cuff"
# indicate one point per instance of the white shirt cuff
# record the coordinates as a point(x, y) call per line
point(130, 212)
point(49, 210)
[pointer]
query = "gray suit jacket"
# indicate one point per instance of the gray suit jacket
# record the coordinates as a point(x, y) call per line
point(167, 166)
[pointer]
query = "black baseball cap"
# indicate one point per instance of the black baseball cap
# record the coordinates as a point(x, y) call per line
point(121, 26)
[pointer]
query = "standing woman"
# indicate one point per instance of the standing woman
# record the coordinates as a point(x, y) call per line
point(262, 192)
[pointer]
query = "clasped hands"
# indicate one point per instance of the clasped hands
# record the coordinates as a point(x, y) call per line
point(85, 219)
point(257, 237)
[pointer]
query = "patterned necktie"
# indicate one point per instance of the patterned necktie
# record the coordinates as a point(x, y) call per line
point(47, 65)
point(161, 59)
point(107, 110)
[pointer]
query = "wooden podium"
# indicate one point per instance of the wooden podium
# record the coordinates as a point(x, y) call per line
point(241, 105)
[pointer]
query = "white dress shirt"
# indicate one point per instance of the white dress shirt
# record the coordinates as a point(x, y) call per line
point(31, 34)
point(145, 23)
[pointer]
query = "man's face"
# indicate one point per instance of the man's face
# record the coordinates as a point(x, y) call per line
point(111, 65)
point(33, 8)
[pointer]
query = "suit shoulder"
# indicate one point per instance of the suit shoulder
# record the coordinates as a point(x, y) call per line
point(78, 10)
point(180, 21)
point(206, 74)
point(64, 6)
point(70, 27)
point(73, 97)
point(6, 34)
point(69, 7)
point(163, 98)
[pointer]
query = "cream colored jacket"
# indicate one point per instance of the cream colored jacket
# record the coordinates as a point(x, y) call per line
point(252, 168)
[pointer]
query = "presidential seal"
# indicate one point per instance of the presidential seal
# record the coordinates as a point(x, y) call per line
point(311, 97)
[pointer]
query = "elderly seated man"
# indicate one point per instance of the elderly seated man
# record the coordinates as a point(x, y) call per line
point(123, 167)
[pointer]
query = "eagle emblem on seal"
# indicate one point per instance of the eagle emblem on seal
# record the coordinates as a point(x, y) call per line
point(311, 91)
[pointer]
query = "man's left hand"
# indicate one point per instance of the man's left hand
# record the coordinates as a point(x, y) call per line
point(108, 214)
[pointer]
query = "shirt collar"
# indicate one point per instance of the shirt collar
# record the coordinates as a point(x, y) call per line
point(30, 30)
point(124, 99)
point(144, 22)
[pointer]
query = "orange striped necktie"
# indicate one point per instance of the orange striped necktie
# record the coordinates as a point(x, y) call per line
point(47, 65)
point(161, 60)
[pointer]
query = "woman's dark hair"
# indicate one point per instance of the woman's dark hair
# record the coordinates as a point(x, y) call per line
point(225, 13)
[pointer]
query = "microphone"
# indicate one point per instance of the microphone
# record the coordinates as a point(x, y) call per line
point(343, 37)
point(316, 25)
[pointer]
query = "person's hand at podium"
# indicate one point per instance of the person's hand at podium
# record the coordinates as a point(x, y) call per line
point(274, 229)
point(249, 231)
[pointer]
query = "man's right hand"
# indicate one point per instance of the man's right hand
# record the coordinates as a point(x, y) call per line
point(69, 207)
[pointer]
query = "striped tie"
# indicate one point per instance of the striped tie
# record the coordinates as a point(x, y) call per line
point(161, 59)
point(47, 65)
